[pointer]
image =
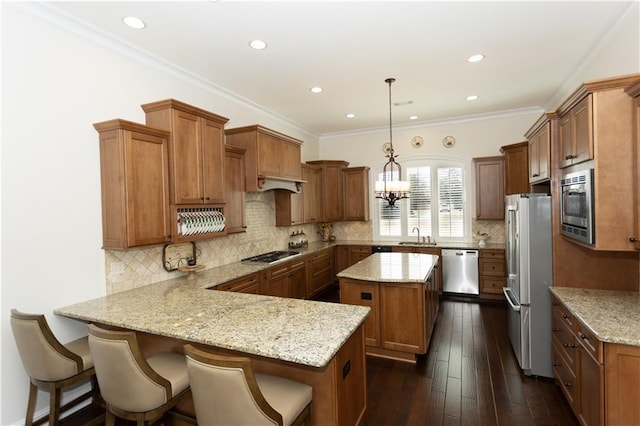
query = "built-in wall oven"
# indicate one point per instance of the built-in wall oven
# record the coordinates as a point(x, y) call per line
point(577, 214)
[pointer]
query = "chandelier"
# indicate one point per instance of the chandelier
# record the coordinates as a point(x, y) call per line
point(391, 188)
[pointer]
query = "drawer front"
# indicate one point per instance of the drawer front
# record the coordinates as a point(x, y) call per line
point(492, 254)
point(591, 344)
point(278, 270)
point(494, 267)
point(564, 374)
point(239, 284)
point(492, 284)
point(564, 339)
point(563, 313)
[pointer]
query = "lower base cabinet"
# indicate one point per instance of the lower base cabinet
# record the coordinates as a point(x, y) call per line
point(320, 271)
point(286, 280)
point(402, 315)
point(601, 381)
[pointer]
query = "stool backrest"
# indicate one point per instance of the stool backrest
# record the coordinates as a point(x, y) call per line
point(125, 378)
point(44, 358)
point(225, 391)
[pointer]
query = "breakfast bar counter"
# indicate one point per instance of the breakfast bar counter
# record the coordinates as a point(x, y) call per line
point(318, 343)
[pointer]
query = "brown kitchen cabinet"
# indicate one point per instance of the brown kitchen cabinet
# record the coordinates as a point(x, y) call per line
point(492, 271)
point(235, 218)
point(350, 255)
point(332, 189)
point(270, 154)
point(634, 92)
point(402, 315)
point(286, 279)
point(622, 384)
point(247, 284)
point(516, 168)
point(355, 182)
point(575, 136)
point(304, 207)
point(539, 137)
point(320, 271)
point(196, 151)
point(134, 174)
point(578, 365)
point(489, 187)
point(437, 275)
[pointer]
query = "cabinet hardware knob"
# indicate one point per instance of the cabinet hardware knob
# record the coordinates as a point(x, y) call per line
point(584, 336)
point(567, 384)
point(633, 239)
point(568, 157)
point(570, 345)
point(556, 364)
point(535, 175)
point(565, 316)
point(555, 330)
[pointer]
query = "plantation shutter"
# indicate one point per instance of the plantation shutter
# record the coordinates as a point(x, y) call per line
point(450, 202)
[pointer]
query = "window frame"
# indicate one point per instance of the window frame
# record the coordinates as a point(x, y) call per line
point(434, 162)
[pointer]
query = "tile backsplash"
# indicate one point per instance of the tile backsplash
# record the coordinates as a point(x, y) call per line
point(138, 267)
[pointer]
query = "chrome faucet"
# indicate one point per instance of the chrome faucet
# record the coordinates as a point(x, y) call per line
point(415, 228)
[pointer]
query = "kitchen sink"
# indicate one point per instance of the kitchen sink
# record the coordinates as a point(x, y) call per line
point(416, 243)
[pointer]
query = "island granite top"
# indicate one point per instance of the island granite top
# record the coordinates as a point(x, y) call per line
point(392, 268)
point(612, 316)
point(298, 331)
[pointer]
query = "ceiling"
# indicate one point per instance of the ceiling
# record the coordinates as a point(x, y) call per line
point(349, 48)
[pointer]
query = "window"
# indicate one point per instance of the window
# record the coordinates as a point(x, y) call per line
point(436, 206)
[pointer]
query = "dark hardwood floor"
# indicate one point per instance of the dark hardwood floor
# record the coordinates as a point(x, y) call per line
point(469, 376)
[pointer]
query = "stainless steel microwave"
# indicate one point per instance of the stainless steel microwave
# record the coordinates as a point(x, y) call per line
point(577, 215)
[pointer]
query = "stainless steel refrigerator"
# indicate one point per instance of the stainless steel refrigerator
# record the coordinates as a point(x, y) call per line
point(529, 269)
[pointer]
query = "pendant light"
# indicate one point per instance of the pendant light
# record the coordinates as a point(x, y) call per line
point(391, 188)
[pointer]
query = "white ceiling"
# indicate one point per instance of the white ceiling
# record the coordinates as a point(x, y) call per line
point(350, 47)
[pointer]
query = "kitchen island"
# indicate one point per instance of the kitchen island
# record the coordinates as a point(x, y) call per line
point(317, 343)
point(402, 291)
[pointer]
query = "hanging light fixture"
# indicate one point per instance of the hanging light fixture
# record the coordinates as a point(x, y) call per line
point(391, 188)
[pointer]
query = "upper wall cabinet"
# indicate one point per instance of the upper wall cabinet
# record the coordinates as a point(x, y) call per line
point(575, 136)
point(134, 172)
point(332, 189)
point(516, 168)
point(539, 137)
point(634, 92)
point(269, 154)
point(235, 184)
point(196, 151)
point(355, 182)
point(489, 187)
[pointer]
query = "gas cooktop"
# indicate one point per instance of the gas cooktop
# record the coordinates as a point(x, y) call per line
point(272, 256)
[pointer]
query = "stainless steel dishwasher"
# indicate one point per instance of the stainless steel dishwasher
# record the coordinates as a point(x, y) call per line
point(460, 271)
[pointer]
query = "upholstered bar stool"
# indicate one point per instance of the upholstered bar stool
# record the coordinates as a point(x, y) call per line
point(52, 366)
point(134, 387)
point(226, 392)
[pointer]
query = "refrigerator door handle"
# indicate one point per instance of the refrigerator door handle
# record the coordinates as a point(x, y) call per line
point(507, 294)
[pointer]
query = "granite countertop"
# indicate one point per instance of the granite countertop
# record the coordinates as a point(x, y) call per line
point(298, 331)
point(442, 245)
point(612, 316)
point(392, 268)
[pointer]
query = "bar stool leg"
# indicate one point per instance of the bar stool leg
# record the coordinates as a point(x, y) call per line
point(54, 404)
point(110, 419)
point(31, 405)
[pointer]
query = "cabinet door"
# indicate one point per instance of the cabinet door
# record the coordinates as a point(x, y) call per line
point(187, 157)
point(332, 193)
point(402, 317)
point(213, 161)
point(289, 208)
point(134, 171)
point(312, 194)
point(622, 369)
point(320, 271)
point(489, 188)
point(290, 160)
point(590, 394)
point(516, 168)
point(298, 281)
point(364, 293)
point(583, 130)
point(342, 258)
point(356, 193)
point(235, 189)
point(269, 155)
point(539, 147)
point(565, 141)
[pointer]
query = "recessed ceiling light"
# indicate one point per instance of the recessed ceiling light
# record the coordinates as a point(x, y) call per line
point(133, 22)
point(258, 44)
point(350, 115)
point(316, 89)
point(475, 58)
point(413, 117)
point(472, 97)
